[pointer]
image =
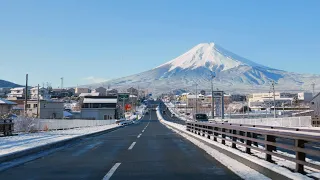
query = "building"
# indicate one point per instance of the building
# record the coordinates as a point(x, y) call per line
point(44, 93)
point(6, 106)
point(133, 91)
point(305, 96)
point(48, 109)
point(238, 98)
point(4, 91)
point(89, 94)
point(81, 90)
point(264, 100)
point(99, 107)
point(112, 92)
point(59, 93)
point(17, 93)
point(315, 105)
point(101, 90)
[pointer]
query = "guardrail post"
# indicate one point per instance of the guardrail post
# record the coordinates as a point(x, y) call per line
point(248, 142)
point(269, 147)
point(215, 134)
point(255, 136)
point(241, 134)
point(223, 136)
point(300, 155)
point(203, 131)
point(234, 139)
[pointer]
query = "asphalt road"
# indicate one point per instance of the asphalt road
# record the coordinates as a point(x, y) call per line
point(147, 150)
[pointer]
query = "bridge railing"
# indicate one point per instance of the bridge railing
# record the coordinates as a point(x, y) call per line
point(264, 140)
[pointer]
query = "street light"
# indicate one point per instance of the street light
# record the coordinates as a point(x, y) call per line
point(212, 95)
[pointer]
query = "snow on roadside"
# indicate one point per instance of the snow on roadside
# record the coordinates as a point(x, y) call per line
point(23, 141)
point(243, 171)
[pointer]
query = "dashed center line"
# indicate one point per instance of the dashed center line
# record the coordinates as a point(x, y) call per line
point(139, 135)
point(131, 145)
point(142, 130)
point(112, 170)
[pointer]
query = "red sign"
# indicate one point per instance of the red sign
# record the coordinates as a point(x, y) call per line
point(127, 107)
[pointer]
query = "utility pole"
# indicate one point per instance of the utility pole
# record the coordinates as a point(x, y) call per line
point(274, 100)
point(38, 101)
point(313, 86)
point(196, 98)
point(212, 97)
point(26, 97)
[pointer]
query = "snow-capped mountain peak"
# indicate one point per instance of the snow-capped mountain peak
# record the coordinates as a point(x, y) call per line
point(209, 55)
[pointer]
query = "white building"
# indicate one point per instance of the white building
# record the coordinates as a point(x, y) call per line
point(44, 93)
point(263, 100)
point(17, 93)
point(99, 107)
point(4, 91)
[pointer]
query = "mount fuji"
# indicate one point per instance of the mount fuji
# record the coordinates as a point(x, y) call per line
point(231, 72)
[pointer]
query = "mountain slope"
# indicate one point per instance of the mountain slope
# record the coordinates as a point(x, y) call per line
point(4, 83)
point(232, 73)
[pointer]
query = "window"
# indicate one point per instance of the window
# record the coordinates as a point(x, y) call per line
point(35, 105)
point(28, 105)
point(312, 103)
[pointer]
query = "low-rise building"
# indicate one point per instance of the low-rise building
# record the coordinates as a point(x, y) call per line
point(5, 106)
point(112, 92)
point(89, 94)
point(263, 100)
point(99, 107)
point(47, 109)
point(17, 93)
point(133, 91)
point(101, 90)
point(305, 96)
point(315, 105)
point(4, 91)
point(81, 90)
point(44, 93)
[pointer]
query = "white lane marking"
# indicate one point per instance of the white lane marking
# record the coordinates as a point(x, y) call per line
point(142, 130)
point(139, 135)
point(112, 170)
point(131, 145)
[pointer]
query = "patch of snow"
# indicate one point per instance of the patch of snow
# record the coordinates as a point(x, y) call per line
point(23, 141)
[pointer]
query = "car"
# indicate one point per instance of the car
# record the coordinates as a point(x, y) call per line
point(200, 117)
point(173, 115)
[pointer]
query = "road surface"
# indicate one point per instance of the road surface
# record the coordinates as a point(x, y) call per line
point(147, 150)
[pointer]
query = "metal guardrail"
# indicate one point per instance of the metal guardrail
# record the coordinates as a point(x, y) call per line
point(6, 127)
point(273, 127)
point(249, 137)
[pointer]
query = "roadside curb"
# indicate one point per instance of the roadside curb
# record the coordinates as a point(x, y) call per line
point(53, 145)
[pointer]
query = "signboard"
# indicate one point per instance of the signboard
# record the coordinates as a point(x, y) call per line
point(127, 107)
point(123, 96)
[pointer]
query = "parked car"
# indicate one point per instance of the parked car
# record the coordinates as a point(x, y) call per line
point(200, 117)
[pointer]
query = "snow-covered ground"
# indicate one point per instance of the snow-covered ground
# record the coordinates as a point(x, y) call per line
point(243, 171)
point(25, 141)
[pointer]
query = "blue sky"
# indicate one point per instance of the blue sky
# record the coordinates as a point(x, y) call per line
point(91, 41)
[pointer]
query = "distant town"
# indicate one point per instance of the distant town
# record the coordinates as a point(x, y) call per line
point(107, 103)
